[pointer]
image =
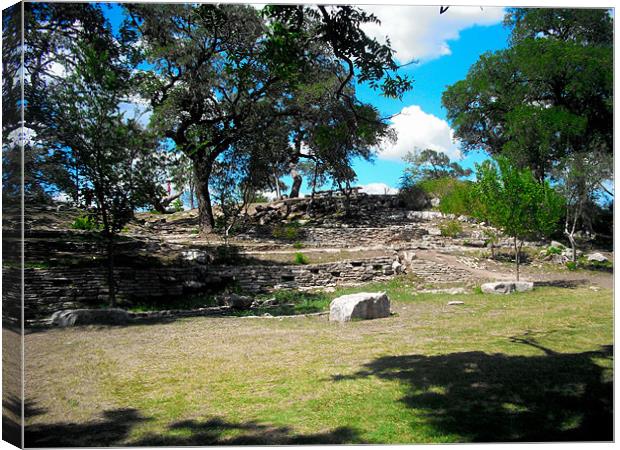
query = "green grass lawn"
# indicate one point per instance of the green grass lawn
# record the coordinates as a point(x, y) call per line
point(533, 366)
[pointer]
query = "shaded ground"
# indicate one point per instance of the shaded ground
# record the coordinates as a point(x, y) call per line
point(533, 366)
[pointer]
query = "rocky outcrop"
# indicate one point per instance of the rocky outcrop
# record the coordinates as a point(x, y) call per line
point(597, 257)
point(507, 287)
point(364, 305)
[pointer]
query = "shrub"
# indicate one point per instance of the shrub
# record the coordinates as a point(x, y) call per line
point(300, 258)
point(570, 265)
point(414, 197)
point(553, 251)
point(457, 200)
point(298, 245)
point(289, 232)
point(86, 223)
point(451, 228)
point(438, 187)
point(177, 205)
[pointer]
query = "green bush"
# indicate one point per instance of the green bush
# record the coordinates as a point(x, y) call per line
point(570, 265)
point(298, 245)
point(414, 197)
point(438, 187)
point(86, 223)
point(300, 258)
point(553, 251)
point(457, 200)
point(289, 232)
point(177, 205)
point(451, 228)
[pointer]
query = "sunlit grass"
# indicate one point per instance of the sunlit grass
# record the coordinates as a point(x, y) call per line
point(523, 366)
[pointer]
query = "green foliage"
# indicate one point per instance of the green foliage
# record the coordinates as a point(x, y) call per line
point(300, 258)
point(86, 223)
point(548, 95)
point(259, 197)
point(431, 165)
point(457, 200)
point(177, 205)
point(553, 251)
point(451, 228)
point(571, 265)
point(291, 231)
point(513, 200)
point(298, 245)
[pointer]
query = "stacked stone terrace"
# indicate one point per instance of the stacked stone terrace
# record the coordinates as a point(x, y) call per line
point(163, 256)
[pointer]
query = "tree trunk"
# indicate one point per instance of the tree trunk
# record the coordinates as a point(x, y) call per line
point(111, 282)
point(573, 244)
point(517, 257)
point(202, 174)
point(297, 179)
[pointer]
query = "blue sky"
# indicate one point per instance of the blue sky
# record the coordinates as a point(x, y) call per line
point(445, 47)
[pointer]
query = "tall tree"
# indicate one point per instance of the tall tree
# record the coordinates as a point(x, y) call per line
point(83, 117)
point(222, 72)
point(51, 31)
point(546, 96)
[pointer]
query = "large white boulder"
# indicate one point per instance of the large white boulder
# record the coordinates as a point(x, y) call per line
point(598, 257)
point(506, 287)
point(74, 317)
point(365, 305)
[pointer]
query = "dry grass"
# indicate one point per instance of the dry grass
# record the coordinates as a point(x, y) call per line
point(486, 370)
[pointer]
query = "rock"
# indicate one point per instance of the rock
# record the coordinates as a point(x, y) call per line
point(397, 267)
point(569, 253)
point(435, 202)
point(455, 303)
point(557, 244)
point(559, 259)
point(506, 287)
point(329, 289)
point(594, 288)
point(598, 257)
point(236, 301)
point(194, 255)
point(75, 317)
point(365, 305)
point(450, 291)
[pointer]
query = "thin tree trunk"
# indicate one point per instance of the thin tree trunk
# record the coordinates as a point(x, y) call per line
point(111, 282)
point(517, 256)
point(570, 234)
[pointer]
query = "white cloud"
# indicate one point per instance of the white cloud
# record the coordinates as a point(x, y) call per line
point(137, 109)
point(421, 33)
point(419, 130)
point(377, 189)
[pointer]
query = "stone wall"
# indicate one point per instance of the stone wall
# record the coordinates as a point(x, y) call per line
point(49, 290)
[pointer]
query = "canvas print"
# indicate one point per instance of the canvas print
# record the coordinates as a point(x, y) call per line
point(288, 224)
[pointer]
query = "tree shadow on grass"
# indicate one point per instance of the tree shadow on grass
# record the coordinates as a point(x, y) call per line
point(110, 431)
point(501, 398)
point(219, 432)
point(116, 426)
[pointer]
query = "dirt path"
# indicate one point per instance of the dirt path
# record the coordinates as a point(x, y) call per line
point(493, 270)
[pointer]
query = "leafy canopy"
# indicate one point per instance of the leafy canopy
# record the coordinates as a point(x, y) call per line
point(513, 200)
